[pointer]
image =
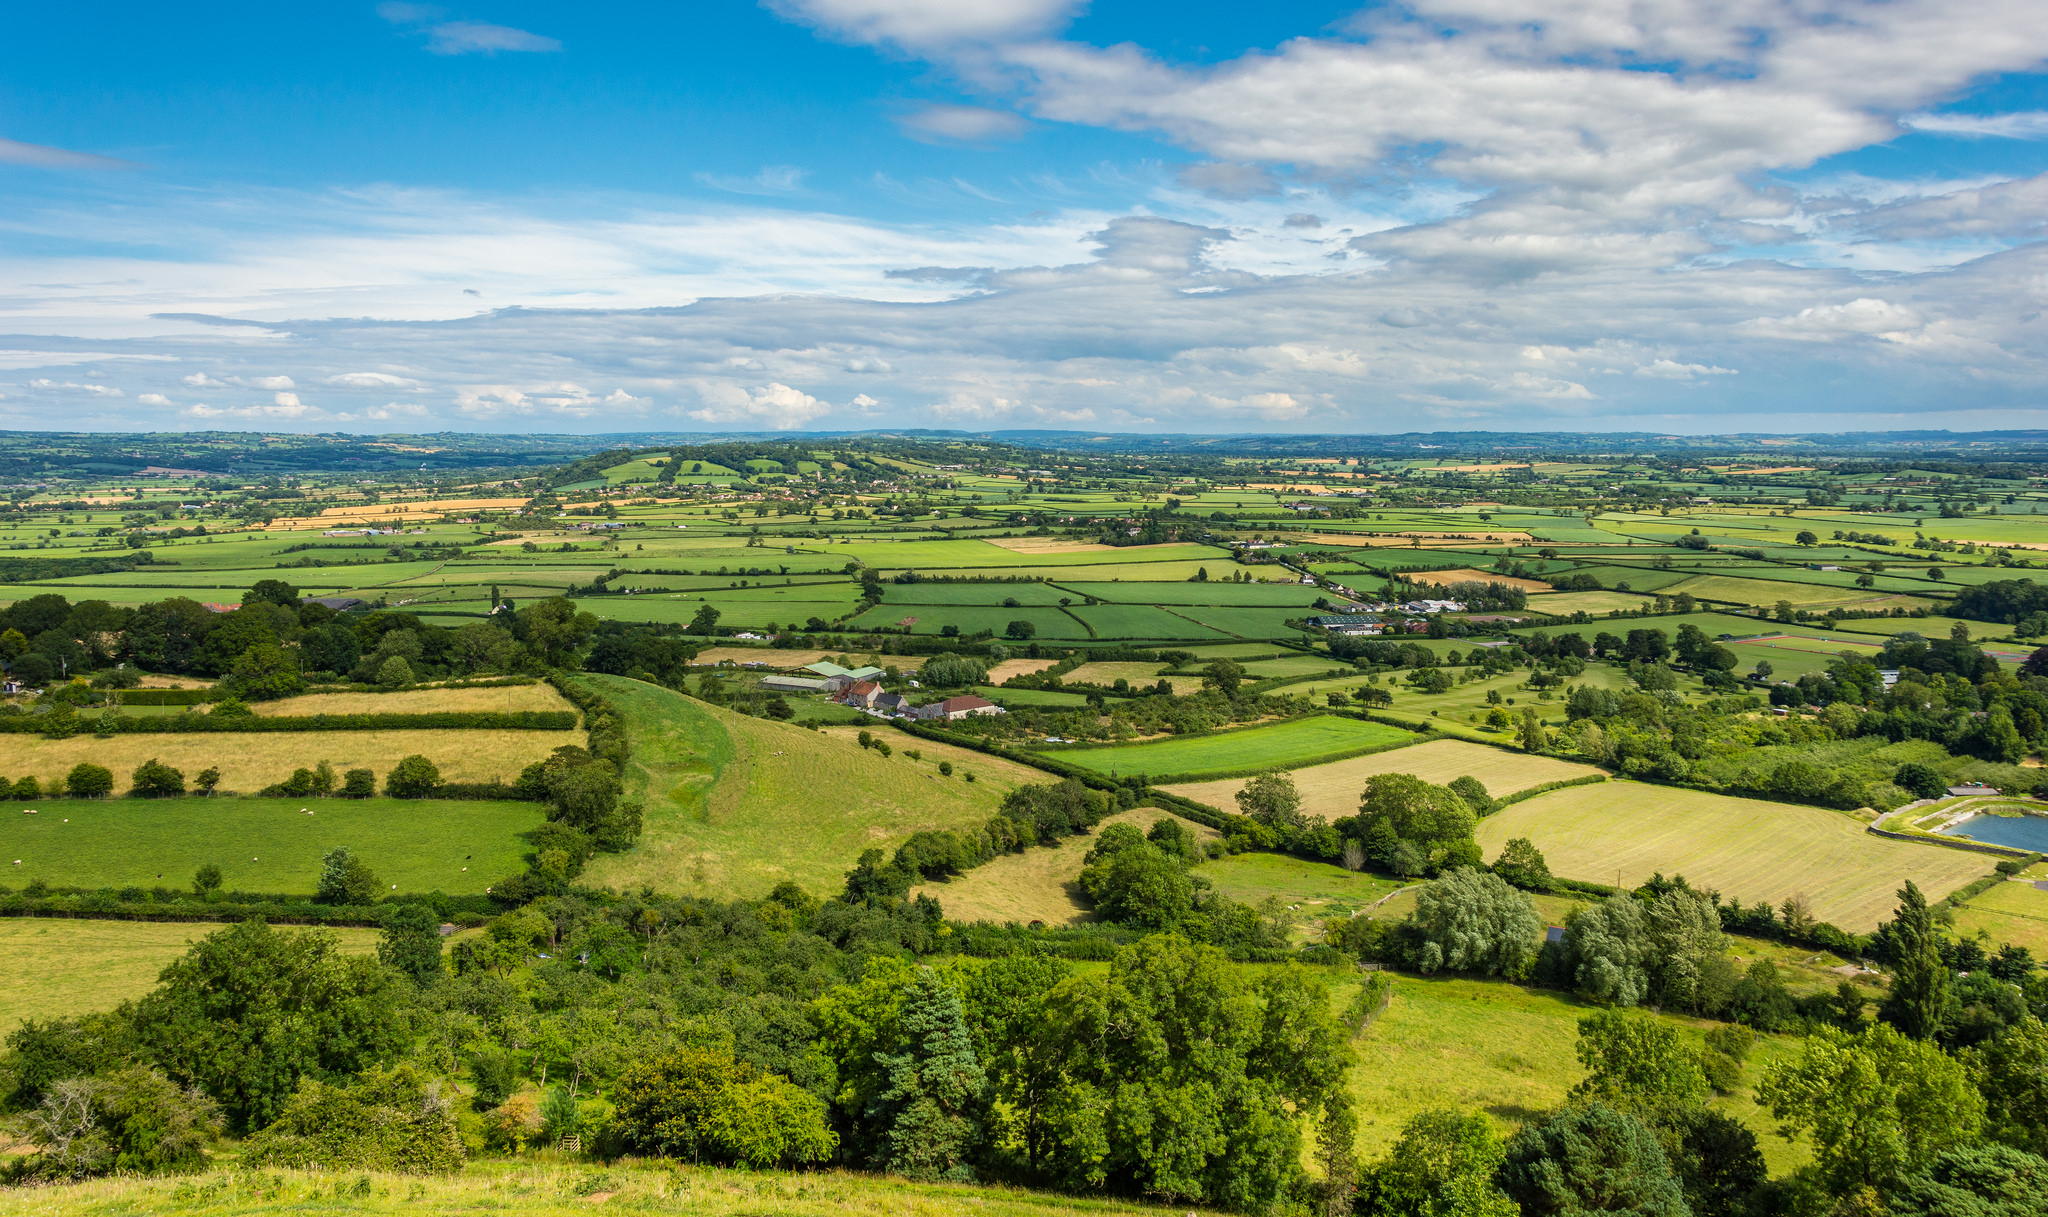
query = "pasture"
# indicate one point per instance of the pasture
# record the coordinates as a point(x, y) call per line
point(264, 845)
point(735, 805)
point(1277, 745)
point(1747, 849)
point(2015, 912)
point(1041, 883)
point(250, 761)
point(61, 966)
point(1331, 791)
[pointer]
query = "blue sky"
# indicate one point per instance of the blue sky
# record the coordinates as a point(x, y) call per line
point(1611, 214)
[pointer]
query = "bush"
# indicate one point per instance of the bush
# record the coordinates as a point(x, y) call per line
point(358, 784)
point(133, 1122)
point(89, 781)
point(346, 879)
point(153, 779)
point(414, 778)
point(704, 1105)
point(389, 1120)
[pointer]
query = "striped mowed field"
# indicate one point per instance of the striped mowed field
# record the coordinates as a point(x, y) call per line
point(1331, 791)
point(1746, 849)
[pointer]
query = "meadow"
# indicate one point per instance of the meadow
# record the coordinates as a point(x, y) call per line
point(2015, 912)
point(250, 761)
point(1041, 883)
point(265, 845)
point(69, 966)
point(1274, 746)
point(506, 700)
point(1746, 849)
point(1331, 791)
point(735, 805)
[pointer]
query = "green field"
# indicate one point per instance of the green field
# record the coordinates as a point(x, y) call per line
point(1049, 623)
point(1145, 621)
point(1273, 747)
point(68, 966)
point(264, 845)
point(735, 805)
point(2014, 912)
point(1747, 849)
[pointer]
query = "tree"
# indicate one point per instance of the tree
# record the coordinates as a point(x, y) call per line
point(1590, 1159)
point(345, 879)
point(1919, 1000)
point(1975, 1181)
point(1920, 781)
point(1806, 537)
point(1020, 629)
point(1470, 921)
point(1432, 818)
point(1877, 1105)
point(272, 591)
point(1136, 883)
point(248, 1011)
point(1522, 864)
point(411, 943)
point(415, 777)
point(263, 673)
point(387, 1119)
point(701, 1104)
point(1608, 946)
point(89, 781)
point(1225, 676)
point(206, 880)
point(1634, 1061)
point(933, 1108)
point(394, 673)
point(1272, 800)
point(1443, 1166)
point(358, 784)
point(152, 779)
point(2012, 1074)
point(1337, 1155)
point(1534, 738)
point(1473, 791)
point(705, 621)
point(134, 1121)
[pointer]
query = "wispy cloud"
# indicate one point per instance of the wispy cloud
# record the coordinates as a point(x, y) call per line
point(463, 37)
point(772, 180)
point(39, 156)
point(961, 124)
point(2027, 124)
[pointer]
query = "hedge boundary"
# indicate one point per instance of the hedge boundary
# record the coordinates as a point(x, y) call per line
point(1590, 779)
point(179, 724)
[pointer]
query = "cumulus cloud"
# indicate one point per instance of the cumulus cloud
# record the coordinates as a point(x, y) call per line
point(153, 399)
point(200, 380)
point(1865, 315)
point(776, 406)
point(961, 124)
point(287, 400)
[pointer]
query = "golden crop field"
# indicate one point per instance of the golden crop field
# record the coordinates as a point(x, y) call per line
point(1331, 791)
point(508, 700)
point(249, 761)
point(1018, 667)
point(1747, 849)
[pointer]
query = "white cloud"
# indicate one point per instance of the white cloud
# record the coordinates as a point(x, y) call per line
point(281, 410)
point(43, 384)
point(153, 399)
point(776, 406)
point(2029, 124)
point(200, 380)
point(371, 380)
point(1670, 369)
point(479, 38)
point(928, 22)
point(1864, 316)
point(287, 400)
point(961, 124)
point(38, 156)
point(259, 382)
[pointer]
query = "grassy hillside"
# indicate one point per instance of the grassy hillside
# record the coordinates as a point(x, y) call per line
point(62, 966)
point(735, 805)
point(1748, 849)
point(264, 845)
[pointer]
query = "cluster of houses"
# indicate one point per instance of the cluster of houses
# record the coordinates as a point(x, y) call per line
point(861, 689)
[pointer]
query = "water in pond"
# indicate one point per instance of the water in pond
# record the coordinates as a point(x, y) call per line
point(2017, 832)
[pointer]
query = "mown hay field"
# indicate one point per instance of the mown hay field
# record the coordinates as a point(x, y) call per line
point(508, 700)
point(735, 805)
point(250, 761)
point(61, 966)
point(1039, 884)
point(1019, 667)
point(1747, 849)
point(1331, 791)
point(1269, 747)
point(264, 845)
point(2015, 912)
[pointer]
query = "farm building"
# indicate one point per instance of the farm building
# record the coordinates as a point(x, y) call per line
point(795, 684)
point(340, 604)
point(963, 706)
point(827, 668)
point(862, 694)
point(1980, 791)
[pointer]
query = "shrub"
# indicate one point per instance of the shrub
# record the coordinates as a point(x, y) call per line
point(358, 784)
point(206, 879)
point(346, 879)
point(135, 1122)
point(153, 779)
point(389, 1119)
point(414, 778)
point(89, 781)
point(28, 788)
point(699, 1104)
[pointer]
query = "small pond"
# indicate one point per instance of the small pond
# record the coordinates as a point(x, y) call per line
point(2015, 832)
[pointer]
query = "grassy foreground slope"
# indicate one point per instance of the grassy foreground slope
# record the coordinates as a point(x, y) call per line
point(735, 805)
point(544, 1187)
point(1747, 849)
point(63, 967)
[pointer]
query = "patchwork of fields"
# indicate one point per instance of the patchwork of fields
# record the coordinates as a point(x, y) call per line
point(1331, 791)
point(1275, 746)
